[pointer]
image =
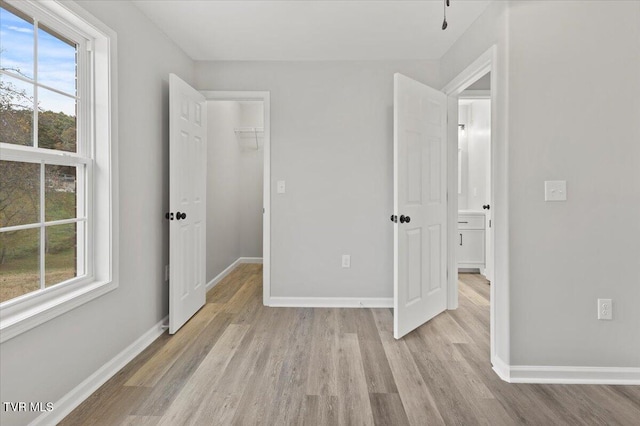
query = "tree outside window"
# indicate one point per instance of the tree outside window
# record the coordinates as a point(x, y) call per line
point(42, 207)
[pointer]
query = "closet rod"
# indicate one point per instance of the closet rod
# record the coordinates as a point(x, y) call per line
point(254, 130)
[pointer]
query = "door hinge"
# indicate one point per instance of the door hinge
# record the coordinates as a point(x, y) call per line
point(489, 223)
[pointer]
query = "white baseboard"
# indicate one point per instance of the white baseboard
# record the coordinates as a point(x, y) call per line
point(211, 284)
point(331, 302)
point(250, 259)
point(501, 368)
point(574, 375)
point(76, 396)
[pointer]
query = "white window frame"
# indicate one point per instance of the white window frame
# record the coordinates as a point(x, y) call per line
point(97, 120)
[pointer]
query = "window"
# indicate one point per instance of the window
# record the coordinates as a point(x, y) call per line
point(56, 180)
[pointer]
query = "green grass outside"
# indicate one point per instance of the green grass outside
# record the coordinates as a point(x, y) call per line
point(20, 272)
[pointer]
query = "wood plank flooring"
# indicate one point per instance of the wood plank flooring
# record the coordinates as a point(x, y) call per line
point(239, 363)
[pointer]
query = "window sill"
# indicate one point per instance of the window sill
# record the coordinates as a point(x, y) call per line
point(20, 317)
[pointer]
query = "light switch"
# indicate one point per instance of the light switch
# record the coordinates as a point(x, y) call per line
point(280, 187)
point(555, 190)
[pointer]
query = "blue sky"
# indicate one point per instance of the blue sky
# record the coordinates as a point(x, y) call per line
point(56, 61)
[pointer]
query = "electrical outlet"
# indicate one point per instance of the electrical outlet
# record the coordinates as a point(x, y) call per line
point(555, 190)
point(346, 261)
point(166, 272)
point(605, 309)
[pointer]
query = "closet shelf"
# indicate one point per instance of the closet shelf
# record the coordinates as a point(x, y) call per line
point(250, 132)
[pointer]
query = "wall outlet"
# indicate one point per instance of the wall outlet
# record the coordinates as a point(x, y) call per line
point(346, 261)
point(166, 272)
point(605, 309)
point(555, 190)
point(281, 187)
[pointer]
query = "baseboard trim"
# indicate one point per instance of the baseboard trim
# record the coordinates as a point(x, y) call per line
point(566, 375)
point(211, 284)
point(331, 302)
point(574, 375)
point(501, 368)
point(250, 259)
point(76, 396)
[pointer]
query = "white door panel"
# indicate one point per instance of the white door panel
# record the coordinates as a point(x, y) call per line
point(420, 245)
point(187, 177)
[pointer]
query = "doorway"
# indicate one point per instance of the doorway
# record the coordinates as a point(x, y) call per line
point(474, 252)
point(497, 253)
point(238, 176)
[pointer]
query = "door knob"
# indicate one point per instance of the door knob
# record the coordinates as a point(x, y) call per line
point(486, 206)
point(394, 218)
point(181, 215)
point(169, 216)
point(404, 219)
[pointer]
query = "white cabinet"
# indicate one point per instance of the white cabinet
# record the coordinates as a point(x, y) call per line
point(471, 240)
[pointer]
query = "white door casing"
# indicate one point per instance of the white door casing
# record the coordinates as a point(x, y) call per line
point(488, 269)
point(420, 192)
point(187, 201)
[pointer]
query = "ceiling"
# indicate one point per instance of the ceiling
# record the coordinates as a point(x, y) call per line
point(312, 30)
point(483, 83)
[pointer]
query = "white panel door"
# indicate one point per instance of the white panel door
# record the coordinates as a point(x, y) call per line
point(187, 201)
point(420, 204)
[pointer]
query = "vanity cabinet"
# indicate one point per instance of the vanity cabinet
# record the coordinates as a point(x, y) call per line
point(471, 240)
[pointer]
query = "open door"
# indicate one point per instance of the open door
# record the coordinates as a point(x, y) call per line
point(420, 204)
point(187, 201)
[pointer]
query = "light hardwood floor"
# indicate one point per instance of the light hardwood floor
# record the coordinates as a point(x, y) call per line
point(237, 362)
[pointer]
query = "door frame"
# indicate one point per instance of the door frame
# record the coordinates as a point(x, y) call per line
point(265, 97)
point(499, 291)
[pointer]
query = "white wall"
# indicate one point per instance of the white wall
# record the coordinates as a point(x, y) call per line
point(331, 141)
point(463, 149)
point(251, 179)
point(575, 103)
point(223, 186)
point(48, 361)
point(475, 144)
point(573, 97)
point(234, 185)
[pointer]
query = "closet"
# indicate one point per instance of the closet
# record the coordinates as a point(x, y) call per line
point(235, 161)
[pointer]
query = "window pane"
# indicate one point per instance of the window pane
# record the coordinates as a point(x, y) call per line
point(19, 193)
point(56, 121)
point(60, 192)
point(16, 111)
point(19, 263)
point(16, 42)
point(60, 254)
point(56, 61)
